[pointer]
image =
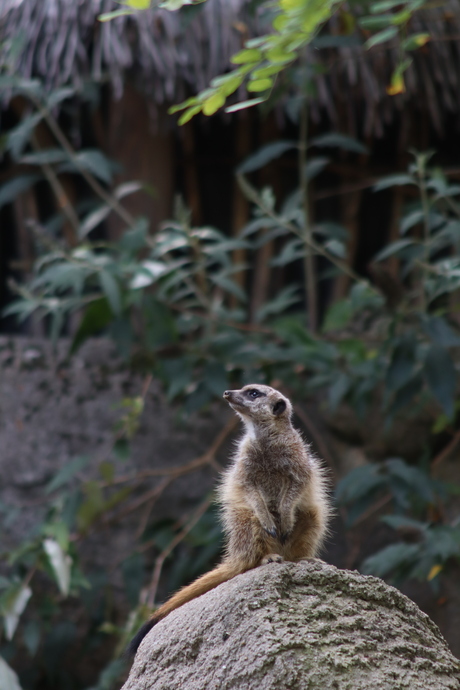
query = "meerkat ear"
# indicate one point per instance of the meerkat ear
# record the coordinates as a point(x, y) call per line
point(279, 407)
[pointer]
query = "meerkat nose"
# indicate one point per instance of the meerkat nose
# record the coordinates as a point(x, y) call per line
point(226, 394)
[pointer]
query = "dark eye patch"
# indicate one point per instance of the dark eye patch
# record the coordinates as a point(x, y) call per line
point(254, 393)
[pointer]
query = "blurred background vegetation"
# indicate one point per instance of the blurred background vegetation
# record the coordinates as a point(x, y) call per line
point(296, 223)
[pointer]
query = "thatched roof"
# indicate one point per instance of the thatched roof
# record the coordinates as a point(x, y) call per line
point(64, 43)
point(358, 78)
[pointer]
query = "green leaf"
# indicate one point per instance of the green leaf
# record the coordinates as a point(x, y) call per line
point(145, 4)
point(61, 564)
point(393, 181)
point(401, 17)
point(147, 274)
point(94, 162)
point(402, 364)
point(10, 190)
point(185, 104)
point(394, 248)
point(376, 23)
point(417, 482)
point(58, 96)
point(415, 41)
point(191, 112)
point(338, 316)
point(67, 473)
point(212, 104)
point(443, 542)
point(314, 166)
point(406, 393)
point(338, 390)
point(440, 332)
point(127, 188)
point(361, 481)
point(18, 137)
point(31, 636)
point(381, 37)
point(45, 157)
point(390, 558)
point(409, 220)
point(215, 378)
point(96, 318)
point(134, 240)
point(257, 85)
point(264, 155)
point(228, 83)
point(91, 507)
point(267, 71)
point(108, 16)
point(383, 6)
point(229, 286)
point(13, 606)
point(246, 55)
point(336, 248)
point(401, 522)
point(283, 300)
point(8, 678)
point(280, 56)
point(341, 141)
point(441, 376)
point(111, 290)
point(244, 104)
point(92, 220)
point(292, 251)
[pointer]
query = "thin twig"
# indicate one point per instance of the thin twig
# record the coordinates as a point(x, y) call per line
point(173, 473)
point(317, 439)
point(253, 196)
point(373, 509)
point(109, 199)
point(151, 495)
point(152, 590)
point(59, 192)
point(447, 450)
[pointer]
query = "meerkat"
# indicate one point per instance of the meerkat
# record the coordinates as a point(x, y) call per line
point(274, 501)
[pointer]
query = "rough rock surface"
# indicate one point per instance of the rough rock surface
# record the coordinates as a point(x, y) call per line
point(296, 626)
point(53, 408)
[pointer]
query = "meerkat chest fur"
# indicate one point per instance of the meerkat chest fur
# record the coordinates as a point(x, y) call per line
point(272, 464)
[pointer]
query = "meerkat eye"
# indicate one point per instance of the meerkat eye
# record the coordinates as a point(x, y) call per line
point(253, 393)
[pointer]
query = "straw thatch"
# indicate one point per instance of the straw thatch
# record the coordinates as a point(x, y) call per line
point(172, 52)
point(63, 42)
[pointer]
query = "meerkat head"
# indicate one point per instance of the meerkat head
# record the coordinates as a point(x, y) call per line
point(259, 405)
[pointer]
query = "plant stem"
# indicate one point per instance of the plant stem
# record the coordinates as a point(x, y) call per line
point(109, 199)
point(253, 196)
point(58, 190)
point(426, 222)
point(308, 259)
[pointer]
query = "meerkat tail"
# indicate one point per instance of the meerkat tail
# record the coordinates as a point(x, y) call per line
point(203, 584)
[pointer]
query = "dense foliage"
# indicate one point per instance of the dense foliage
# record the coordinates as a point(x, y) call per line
point(171, 300)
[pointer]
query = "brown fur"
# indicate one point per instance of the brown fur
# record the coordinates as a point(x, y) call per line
point(274, 500)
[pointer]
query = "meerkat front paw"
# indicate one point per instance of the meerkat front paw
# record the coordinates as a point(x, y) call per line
point(272, 558)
